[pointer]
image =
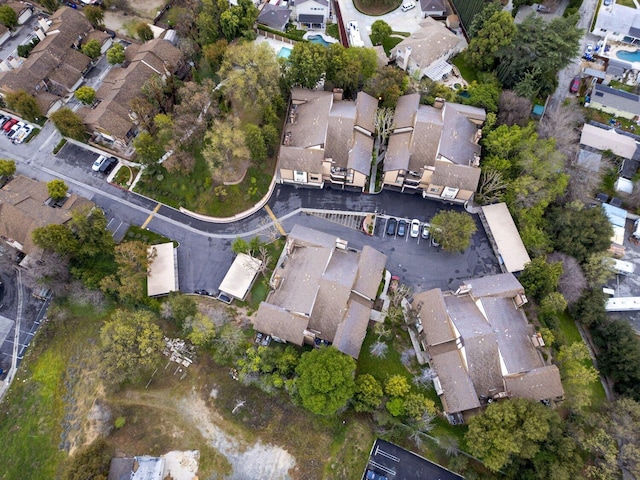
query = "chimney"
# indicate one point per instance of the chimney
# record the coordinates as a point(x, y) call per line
point(439, 102)
point(405, 58)
point(337, 94)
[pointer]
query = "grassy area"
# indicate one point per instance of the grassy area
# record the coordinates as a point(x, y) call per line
point(332, 30)
point(150, 238)
point(195, 191)
point(125, 176)
point(622, 86)
point(59, 145)
point(33, 133)
point(390, 42)
point(626, 3)
point(469, 73)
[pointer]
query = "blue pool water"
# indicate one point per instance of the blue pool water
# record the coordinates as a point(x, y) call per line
point(284, 52)
point(629, 56)
point(318, 39)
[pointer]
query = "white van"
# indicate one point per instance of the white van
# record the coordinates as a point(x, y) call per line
point(636, 229)
point(408, 6)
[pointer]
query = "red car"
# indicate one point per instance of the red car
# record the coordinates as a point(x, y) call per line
point(575, 85)
point(7, 126)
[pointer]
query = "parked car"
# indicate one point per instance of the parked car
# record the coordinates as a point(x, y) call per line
point(408, 6)
point(16, 127)
point(414, 231)
point(425, 231)
point(266, 341)
point(575, 85)
point(391, 226)
point(108, 165)
point(98, 163)
point(606, 3)
point(22, 135)
point(258, 339)
point(202, 292)
point(7, 126)
point(542, 9)
point(402, 228)
point(589, 50)
point(4, 119)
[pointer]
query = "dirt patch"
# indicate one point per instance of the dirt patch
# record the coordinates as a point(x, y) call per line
point(138, 11)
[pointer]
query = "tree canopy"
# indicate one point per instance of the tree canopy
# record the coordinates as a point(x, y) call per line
point(85, 94)
point(7, 167)
point(57, 189)
point(539, 277)
point(226, 151)
point(453, 230)
point(115, 54)
point(68, 124)
point(380, 31)
point(8, 16)
point(498, 31)
point(24, 104)
point(350, 68)
point(306, 65)
point(325, 381)
point(94, 14)
point(130, 281)
point(91, 48)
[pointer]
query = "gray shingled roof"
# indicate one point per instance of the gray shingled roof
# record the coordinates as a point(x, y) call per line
point(301, 159)
point(398, 153)
point(618, 99)
point(459, 393)
point(433, 314)
point(426, 138)
point(456, 176)
point(312, 117)
point(427, 6)
point(366, 107)
point(538, 384)
point(274, 16)
point(361, 153)
point(370, 269)
point(352, 330)
point(276, 321)
point(500, 285)
point(457, 143)
point(406, 108)
point(340, 133)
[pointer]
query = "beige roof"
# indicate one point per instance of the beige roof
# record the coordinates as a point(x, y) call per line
point(241, 275)
point(276, 321)
point(366, 107)
point(309, 128)
point(428, 135)
point(504, 285)
point(607, 139)
point(429, 43)
point(506, 236)
point(538, 384)
point(459, 393)
point(434, 317)
point(406, 108)
point(458, 142)
point(456, 176)
point(163, 270)
point(318, 283)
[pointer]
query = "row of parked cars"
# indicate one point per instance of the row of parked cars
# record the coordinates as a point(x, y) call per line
point(399, 227)
point(104, 164)
point(16, 131)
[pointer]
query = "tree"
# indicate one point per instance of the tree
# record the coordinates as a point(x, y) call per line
point(579, 231)
point(572, 282)
point(148, 150)
point(416, 404)
point(225, 150)
point(85, 94)
point(50, 5)
point(306, 65)
point(255, 142)
point(228, 344)
point(24, 104)
point(115, 54)
point(179, 307)
point(68, 124)
point(368, 393)
point(397, 386)
point(577, 374)
point(325, 380)
point(388, 84)
point(56, 238)
point(484, 94)
point(589, 309)
point(539, 277)
point(350, 68)
point(92, 48)
point(481, 18)
point(380, 31)
point(513, 109)
point(89, 463)
point(7, 167)
point(552, 304)
point(144, 32)
point(453, 230)
point(131, 344)
point(57, 189)
point(200, 330)
point(509, 430)
point(130, 281)
point(239, 246)
point(598, 269)
point(8, 16)
point(94, 14)
point(251, 75)
point(208, 21)
point(214, 52)
point(497, 32)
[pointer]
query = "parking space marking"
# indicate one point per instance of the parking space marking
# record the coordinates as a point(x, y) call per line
point(116, 230)
point(146, 222)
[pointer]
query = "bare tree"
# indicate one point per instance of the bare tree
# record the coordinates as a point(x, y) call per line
point(513, 109)
point(562, 124)
point(384, 127)
point(265, 259)
point(52, 270)
point(491, 186)
point(407, 355)
point(268, 229)
point(379, 349)
point(396, 295)
point(381, 331)
point(425, 378)
point(450, 445)
point(572, 282)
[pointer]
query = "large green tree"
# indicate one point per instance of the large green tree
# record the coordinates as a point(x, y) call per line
point(68, 124)
point(148, 149)
point(144, 32)
point(497, 32)
point(380, 31)
point(85, 94)
point(388, 84)
point(130, 281)
point(453, 230)
point(350, 68)
point(7, 167)
point(325, 381)
point(8, 16)
point(91, 49)
point(579, 231)
point(509, 430)
point(578, 374)
point(24, 104)
point(57, 189)
point(539, 277)
point(368, 393)
point(131, 345)
point(225, 150)
point(94, 14)
point(115, 54)
point(306, 65)
point(481, 18)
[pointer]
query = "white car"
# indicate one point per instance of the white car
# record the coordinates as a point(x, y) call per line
point(22, 134)
point(414, 231)
point(408, 6)
point(15, 129)
point(98, 163)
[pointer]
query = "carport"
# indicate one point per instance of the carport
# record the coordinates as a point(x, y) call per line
point(504, 237)
point(163, 269)
point(240, 277)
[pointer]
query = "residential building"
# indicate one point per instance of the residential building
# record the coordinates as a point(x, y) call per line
point(111, 120)
point(312, 14)
point(428, 50)
point(434, 150)
point(602, 139)
point(618, 22)
point(25, 206)
point(481, 346)
point(55, 67)
point(387, 460)
point(24, 10)
point(274, 16)
point(327, 140)
point(322, 292)
point(504, 237)
point(432, 8)
point(616, 102)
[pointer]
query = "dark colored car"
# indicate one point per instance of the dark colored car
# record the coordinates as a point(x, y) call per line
point(402, 228)
point(391, 226)
point(575, 85)
point(108, 165)
point(202, 292)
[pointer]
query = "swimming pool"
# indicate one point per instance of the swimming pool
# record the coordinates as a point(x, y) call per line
point(284, 52)
point(628, 56)
point(318, 39)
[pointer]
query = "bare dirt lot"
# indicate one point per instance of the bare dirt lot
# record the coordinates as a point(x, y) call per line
point(138, 11)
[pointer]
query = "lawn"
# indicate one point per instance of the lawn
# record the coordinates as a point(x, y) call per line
point(390, 42)
point(332, 30)
point(125, 176)
point(147, 236)
point(469, 73)
point(195, 191)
